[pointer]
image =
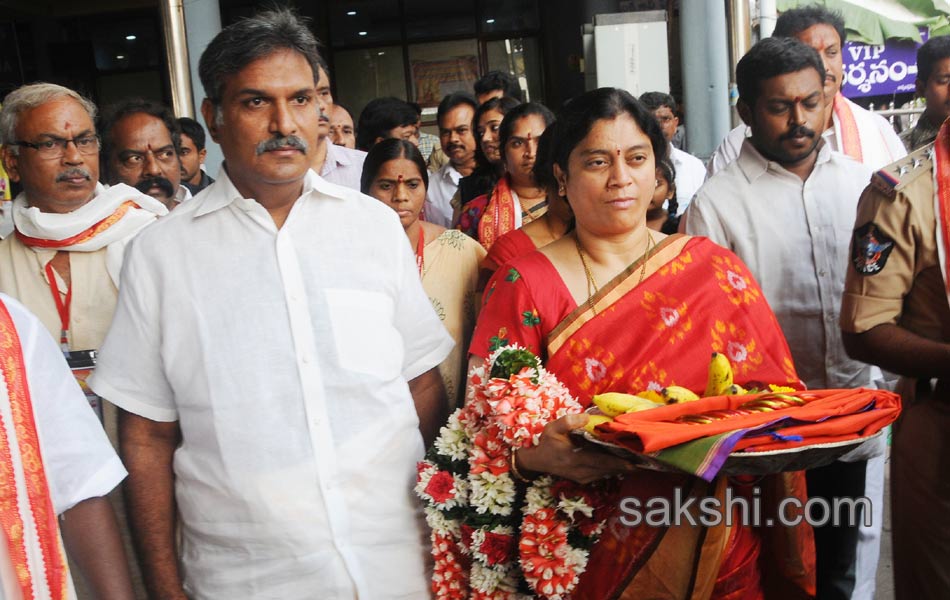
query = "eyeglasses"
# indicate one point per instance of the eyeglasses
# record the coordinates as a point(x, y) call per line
point(56, 147)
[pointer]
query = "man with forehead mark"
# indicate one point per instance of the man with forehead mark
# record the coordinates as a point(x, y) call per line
point(277, 373)
point(786, 207)
point(847, 128)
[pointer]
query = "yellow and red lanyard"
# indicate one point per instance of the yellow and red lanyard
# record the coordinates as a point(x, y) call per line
point(62, 307)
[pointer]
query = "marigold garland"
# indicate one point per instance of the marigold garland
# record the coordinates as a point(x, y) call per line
point(492, 538)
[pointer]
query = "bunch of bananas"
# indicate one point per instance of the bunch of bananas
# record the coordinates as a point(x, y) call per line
point(719, 382)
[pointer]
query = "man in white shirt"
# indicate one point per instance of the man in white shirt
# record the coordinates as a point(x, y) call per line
point(848, 128)
point(57, 463)
point(140, 144)
point(277, 376)
point(336, 164)
point(690, 171)
point(456, 134)
point(786, 207)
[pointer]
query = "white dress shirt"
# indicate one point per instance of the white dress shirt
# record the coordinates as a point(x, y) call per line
point(442, 186)
point(284, 355)
point(78, 459)
point(690, 175)
point(343, 166)
point(880, 144)
point(795, 237)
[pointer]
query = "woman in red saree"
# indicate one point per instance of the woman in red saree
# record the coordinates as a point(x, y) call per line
point(516, 199)
point(663, 305)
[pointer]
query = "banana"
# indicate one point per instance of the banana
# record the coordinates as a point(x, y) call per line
point(652, 396)
point(720, 375)
point(595, 420)
point(616, 403)
point(675, 394)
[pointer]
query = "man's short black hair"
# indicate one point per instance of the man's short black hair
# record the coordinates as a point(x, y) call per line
point(770, 58)
point(498, 80)
point(933, 50)
point(453, 100)
point(379, 117)
point(193, 130)
point(113, 113)
point(792, 22)
point(654, 100)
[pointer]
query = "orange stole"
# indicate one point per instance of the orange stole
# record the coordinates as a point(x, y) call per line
point(37, 490)
point(850, 136)
point(82, 236)
point(942, 206)
point(499, 217)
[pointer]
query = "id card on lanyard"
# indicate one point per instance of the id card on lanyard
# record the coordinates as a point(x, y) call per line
point(81, 362)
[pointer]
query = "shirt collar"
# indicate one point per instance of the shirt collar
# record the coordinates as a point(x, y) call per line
point(753, 165)
point(335, 158)
point(450, 173)
point(222, 193)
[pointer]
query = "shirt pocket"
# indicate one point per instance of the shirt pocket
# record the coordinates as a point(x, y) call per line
point(364, 335)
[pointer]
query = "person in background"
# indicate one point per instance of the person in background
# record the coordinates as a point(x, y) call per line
point(690, 171)
point(342, 131)
point(429, 144)
point(59, 264)
point(278, 375)
point(864, 136)
point(933, 84)
point(336, 164)
point(784, 207)
point(55, 470)
point(895, 313)
point(140, 140)
point(447, 259)
point(489, 163)
point(192, 153)
point(517, 198)
point(456, 135)
point(496, 84)
point(384, 118)
point(661, 216)
point(547, 228)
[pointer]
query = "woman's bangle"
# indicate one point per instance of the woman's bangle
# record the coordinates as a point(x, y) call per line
point(513, 467)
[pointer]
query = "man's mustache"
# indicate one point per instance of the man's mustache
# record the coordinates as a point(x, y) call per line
point(72, 173)
point(799, 131)
point(281, 143)
point(163, 184)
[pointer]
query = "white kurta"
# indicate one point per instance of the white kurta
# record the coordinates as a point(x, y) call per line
point(78, 460)
point(690, 175)
point(284, 355)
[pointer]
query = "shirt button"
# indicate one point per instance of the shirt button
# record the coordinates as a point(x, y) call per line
point(821, 273)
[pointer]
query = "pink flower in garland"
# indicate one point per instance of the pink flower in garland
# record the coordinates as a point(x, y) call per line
point(544, 552)
point(441, 487)
point(497, 548)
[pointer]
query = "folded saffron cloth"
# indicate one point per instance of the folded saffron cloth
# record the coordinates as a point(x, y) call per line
point(829, 416)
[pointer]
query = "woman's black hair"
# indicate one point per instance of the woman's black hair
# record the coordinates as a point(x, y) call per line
point(385, 151)
point(502, 105)
point(577, 118)
point(671, 225)
point(516, 114)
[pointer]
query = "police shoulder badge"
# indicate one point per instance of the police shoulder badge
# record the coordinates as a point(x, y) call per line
point(870, 249)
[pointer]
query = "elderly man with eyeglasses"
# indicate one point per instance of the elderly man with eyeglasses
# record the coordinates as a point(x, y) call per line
point(64, 257)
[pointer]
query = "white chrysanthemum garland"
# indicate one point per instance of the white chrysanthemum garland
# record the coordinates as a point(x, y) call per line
point(474, 506)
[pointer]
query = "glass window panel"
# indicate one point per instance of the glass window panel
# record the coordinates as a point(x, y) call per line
point(520, 57)
point(441, 68)
point(361, 75)
point(364, 22)
point(497, 16)
point(439, 18)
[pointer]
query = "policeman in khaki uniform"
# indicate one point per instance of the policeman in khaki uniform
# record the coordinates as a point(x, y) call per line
point(895, 314)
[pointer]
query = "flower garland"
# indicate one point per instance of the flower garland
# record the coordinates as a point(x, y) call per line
point(475, 508)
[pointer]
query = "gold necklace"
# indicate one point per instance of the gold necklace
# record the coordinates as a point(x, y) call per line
point(592, 287)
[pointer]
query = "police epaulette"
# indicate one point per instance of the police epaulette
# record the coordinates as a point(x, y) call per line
point(894, 177)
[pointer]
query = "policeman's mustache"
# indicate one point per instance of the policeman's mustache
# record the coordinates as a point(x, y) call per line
point(72, 173)
point(282, 143)
point(163, 184)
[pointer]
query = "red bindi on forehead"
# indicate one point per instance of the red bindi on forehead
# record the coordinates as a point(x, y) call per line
point(399, 178)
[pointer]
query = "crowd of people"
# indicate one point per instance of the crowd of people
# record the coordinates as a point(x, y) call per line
point(271, 350)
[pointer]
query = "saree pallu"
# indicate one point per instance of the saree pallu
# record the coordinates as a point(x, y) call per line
point(695, 298)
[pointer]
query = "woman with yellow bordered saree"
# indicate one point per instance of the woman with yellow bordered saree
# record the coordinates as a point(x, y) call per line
point(615, 307)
